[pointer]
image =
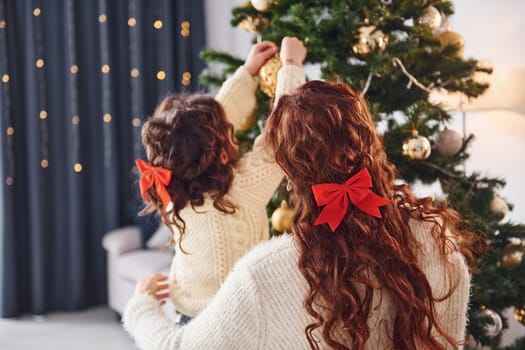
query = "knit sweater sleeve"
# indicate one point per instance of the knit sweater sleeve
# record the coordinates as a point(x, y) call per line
point(231, 321)
point(455, 322)
point(258, 173)
point(449, 277)
point(289, 78)
point(237, 96)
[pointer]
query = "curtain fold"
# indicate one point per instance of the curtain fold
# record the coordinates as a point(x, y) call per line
point(79, 77)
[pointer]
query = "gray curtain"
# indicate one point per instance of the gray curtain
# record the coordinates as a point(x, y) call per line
point(79, 77)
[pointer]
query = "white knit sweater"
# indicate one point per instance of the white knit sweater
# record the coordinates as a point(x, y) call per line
point(260, 305)
point(213, 240)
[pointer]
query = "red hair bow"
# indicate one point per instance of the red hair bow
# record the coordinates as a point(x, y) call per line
point(154, 175)
point(335, 199)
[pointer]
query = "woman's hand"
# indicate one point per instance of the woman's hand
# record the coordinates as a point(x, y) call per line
point(155, 285)
point(292, 51)
point(259, 54)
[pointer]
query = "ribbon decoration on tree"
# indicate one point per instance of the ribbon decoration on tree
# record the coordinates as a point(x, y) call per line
point(335, 197)
point(154, 175)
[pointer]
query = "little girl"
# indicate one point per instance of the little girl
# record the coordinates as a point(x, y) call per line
point(212, 200)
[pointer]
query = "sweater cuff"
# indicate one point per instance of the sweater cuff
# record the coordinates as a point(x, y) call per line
point(289, 78)
point(137, 307)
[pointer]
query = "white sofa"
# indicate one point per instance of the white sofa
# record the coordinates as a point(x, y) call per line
point(128, 261)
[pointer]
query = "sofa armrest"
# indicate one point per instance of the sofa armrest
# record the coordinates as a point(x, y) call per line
point(122, 240)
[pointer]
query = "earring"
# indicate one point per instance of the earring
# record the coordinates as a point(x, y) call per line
point(288, 184)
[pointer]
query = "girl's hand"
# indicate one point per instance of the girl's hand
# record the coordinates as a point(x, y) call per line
point(155, 285)
point(259, 54)
point(292, 51)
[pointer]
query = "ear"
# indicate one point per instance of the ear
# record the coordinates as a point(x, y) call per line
point(224, 157)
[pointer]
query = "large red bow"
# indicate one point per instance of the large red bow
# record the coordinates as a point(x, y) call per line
point(154, 175)
point(334, 197)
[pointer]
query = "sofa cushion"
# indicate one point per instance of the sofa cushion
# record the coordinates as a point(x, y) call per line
point(159, 238)
point(139, 264)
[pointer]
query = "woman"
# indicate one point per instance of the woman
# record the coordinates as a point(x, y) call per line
point(367, 265)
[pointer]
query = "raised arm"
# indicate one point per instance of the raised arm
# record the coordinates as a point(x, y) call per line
point(258, 174)
point(237, 94)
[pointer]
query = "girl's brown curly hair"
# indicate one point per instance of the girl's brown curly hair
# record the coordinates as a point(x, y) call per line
point(324, 133)
point(190, 135)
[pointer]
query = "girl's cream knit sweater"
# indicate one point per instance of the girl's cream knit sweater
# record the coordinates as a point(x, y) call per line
point(213, 240)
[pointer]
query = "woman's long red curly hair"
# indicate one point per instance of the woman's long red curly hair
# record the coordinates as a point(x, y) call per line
point(324, 133)
point(189, 135)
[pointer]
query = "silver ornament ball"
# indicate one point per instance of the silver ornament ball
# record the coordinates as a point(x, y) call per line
point(416, 147)
point(495, 325)
point(499, 207)
point(431, 18)
point(512, 253)
point(448, 142)
point(263, 5)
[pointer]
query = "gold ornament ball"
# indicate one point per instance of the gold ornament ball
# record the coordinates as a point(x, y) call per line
point(495, 325)
point(499, 207)
point(512, 254)
point(452, 38)
point(282, 218)
point(416, 147)
point(362, 47)
point(268, 75)
point(431, 18)
point(449, 142)
point(369, 39)
point(263, 5)
point(247, 24)
point(519, 314)
point(254, 24)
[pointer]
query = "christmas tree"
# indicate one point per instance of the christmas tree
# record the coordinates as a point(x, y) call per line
point(399, 54)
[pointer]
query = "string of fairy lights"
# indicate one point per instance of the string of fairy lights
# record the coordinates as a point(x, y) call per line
point(160, 56)
point(136, 68)
point(105, 68)
point(41, 84)
point(6, 100)
point(185, 33)
point(137, 100)
point(73, 86)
